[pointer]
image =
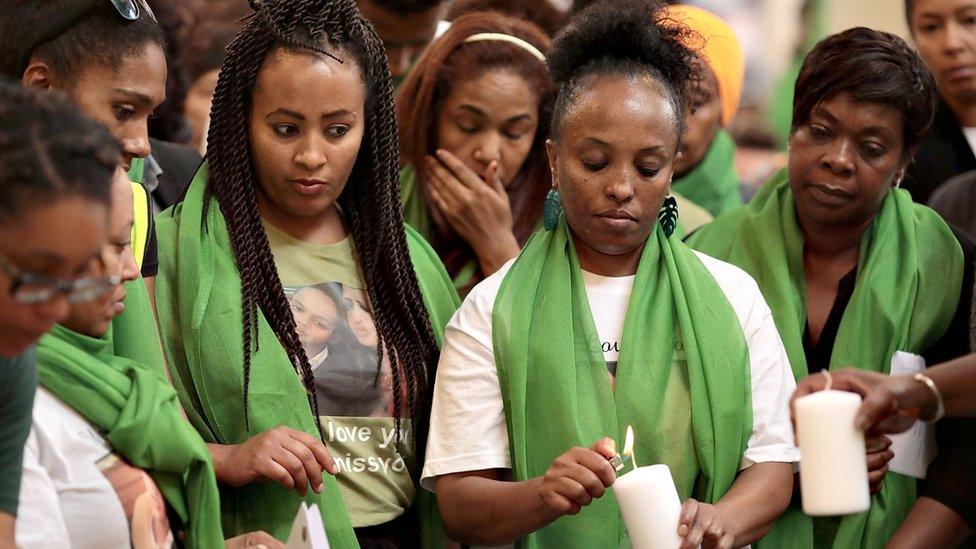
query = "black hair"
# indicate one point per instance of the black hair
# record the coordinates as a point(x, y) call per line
point(100, 36)
point(168, 122)
point(626, 38)
point(406, 7)
point(909, 4)
point(49, 152)
point(872, 66)
point(370, 201)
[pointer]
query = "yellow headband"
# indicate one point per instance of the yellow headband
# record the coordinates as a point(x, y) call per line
point(499, 37)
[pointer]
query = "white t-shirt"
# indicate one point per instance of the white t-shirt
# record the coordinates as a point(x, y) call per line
point(75, 492)
point(468, 430)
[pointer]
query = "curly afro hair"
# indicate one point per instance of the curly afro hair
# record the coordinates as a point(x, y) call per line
point(625, 38)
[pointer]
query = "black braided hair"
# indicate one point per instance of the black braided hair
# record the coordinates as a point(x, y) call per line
point(370, 202)
point(49, 152)
point(628, 38)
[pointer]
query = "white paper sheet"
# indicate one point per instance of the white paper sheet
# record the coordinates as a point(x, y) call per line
point(308, 531)
point(915, 448)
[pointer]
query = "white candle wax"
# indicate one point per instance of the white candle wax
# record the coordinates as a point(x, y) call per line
point(650, 507)
point(833, 465)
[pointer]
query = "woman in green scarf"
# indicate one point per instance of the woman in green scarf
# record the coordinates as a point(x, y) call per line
point(705, 172)
point(606, 320)
point(111, 461)
point(298, 202)
point(473, 117)
point(857, 275)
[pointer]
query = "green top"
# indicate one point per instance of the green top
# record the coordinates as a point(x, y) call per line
point(335, 324)
point(713, 184)
point(140, 415)
point(18, 383)
point(896, 257)
point(550, 365)
point(199, 304)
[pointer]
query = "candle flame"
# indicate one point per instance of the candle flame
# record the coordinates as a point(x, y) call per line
point(629, 446)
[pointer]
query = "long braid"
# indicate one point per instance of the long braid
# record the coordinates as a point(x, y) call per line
point(370, 201)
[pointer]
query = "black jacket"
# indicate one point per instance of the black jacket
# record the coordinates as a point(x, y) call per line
point(943, 154)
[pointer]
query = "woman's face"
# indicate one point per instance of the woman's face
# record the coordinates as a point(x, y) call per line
point(307, 123)
point(493, 116)
point(703, 118)
point(93, 318)
point(359, 316)
point(612, 164)
point(945, 33)
point(315, 316)
point(844, 160)
point(124, 97)
point(58, 240)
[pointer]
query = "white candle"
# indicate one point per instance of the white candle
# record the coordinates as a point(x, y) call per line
point(833, 465)
point(650, 507)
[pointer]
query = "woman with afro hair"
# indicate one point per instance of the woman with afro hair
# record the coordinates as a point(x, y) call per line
point(606, 320)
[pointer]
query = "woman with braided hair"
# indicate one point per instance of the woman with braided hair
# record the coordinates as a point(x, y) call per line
point(300, 189)
point(606, 320)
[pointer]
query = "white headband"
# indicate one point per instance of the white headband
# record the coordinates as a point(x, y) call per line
point(497, 36)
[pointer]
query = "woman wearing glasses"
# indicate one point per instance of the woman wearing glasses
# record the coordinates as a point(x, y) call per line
point(51, 227)
point(110, 460)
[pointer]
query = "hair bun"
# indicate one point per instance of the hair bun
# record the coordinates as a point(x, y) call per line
point(620, 30)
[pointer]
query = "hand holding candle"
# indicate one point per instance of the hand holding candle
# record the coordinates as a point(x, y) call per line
point(833, 466)
point(578, 477)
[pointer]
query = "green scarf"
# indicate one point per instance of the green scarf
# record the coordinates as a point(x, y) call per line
point(557, 393)
point(416, 215)
point(199, 303)
point(713, 184)
point(140, 416)
point(900, 302)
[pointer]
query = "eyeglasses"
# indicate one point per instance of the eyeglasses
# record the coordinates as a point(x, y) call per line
point(33, 289)
point(130, 9)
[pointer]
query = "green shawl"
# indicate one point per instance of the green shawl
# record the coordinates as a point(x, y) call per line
point(199, 304)
point(900, 302)
point(713, 184)
point(416, 215)
point(139, 413)
point(557, 394)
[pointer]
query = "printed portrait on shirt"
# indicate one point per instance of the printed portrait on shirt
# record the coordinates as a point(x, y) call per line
point(142, 502)
point(338, 333)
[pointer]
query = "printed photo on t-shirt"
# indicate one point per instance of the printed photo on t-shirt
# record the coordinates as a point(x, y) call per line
point(336, 328)
point(142, 502)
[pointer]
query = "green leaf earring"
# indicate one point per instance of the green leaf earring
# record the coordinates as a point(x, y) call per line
point(551, 209)
point(668, 216)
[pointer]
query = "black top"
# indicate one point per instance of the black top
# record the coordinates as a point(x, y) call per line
point(944, 153)
point(951, 477)
point(179, 164)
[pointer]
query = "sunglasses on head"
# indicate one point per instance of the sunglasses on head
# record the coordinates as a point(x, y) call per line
point(130, 9)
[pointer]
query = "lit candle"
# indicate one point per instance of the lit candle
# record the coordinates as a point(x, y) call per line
point(833, 464)
point(649, 503)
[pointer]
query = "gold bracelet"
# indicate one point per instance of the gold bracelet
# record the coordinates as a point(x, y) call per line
point(940, 406)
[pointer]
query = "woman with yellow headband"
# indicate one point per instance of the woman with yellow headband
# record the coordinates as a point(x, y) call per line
point(474, 118)
point(705, 172)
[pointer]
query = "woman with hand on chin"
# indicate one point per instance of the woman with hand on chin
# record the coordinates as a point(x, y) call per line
point(473, 118)
point(607, 320)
